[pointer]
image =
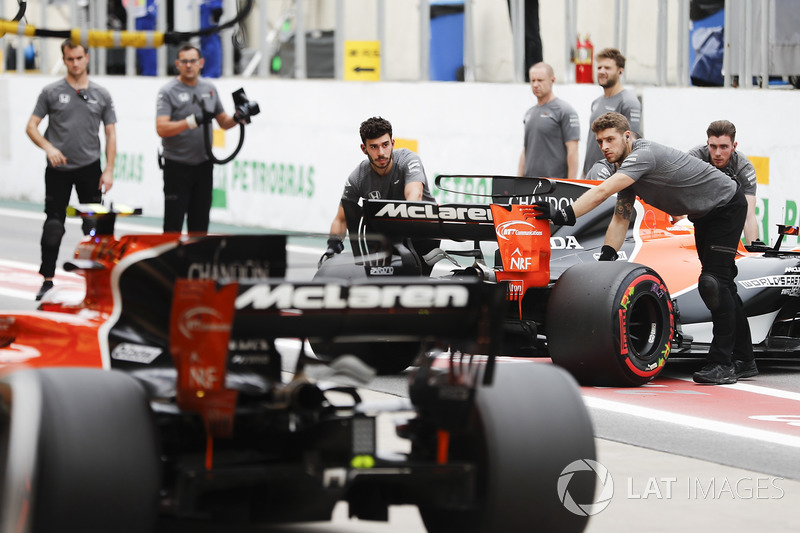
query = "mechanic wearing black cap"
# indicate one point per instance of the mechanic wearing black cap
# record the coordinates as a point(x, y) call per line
point(677, 183)
point(76, 107)
point(386, 174)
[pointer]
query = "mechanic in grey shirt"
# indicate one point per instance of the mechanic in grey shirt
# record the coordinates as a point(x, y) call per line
point(610, 66)
point(552, 131)
point(181, 110)
point(720, 151)
point(386, 174)
point(602, 169)
point(677, 183)
point(76, 107)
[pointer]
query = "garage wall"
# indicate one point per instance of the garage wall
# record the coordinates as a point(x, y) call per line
point(300, 149)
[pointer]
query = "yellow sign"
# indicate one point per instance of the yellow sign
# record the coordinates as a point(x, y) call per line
point(411, 144)
point(362, 60)
point(761, 166)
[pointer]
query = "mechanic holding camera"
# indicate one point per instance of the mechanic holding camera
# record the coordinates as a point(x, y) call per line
point(677, 183)
point(76, 107)
point(386, 174)
point(183, 108)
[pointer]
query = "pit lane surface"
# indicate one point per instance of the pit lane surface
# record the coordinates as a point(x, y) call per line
point(681, 456)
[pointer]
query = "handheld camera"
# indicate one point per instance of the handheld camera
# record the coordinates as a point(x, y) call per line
point(244, 107)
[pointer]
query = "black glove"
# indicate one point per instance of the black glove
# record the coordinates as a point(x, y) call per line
point(560, 217)
point(335, 246)
point(239, 118)
point(607, 253)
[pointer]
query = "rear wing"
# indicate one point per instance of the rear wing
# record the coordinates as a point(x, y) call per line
point(457, 313)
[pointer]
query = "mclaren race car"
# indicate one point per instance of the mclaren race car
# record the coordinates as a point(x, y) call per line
point(608, 323)
point(161, 401)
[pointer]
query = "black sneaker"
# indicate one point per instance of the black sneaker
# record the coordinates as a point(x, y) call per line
point(745, 369)
point(46, 286)
point(715, 374)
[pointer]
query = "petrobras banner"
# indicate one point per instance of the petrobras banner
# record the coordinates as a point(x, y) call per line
point(300, 149)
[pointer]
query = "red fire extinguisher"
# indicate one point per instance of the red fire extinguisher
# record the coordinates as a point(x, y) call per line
point(584, 57)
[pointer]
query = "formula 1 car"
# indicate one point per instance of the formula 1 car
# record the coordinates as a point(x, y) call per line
point(159, 401)
point(608, 323)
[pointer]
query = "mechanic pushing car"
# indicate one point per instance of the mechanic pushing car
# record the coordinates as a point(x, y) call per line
point(386, 174)
point(720, 151)
point(677, 183)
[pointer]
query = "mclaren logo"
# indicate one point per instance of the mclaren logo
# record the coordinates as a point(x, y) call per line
point(516, 228)
point(434, 212)
point(333, 296)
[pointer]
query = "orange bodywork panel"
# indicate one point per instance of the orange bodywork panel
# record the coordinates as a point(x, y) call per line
point(66, 334)
point(524, 243)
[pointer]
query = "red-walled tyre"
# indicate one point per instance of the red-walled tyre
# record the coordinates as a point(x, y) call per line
point(610, 323)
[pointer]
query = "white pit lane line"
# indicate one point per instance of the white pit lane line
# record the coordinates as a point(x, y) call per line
point(705, 423)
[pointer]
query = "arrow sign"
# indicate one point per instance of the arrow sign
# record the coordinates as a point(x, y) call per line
point(362, 60)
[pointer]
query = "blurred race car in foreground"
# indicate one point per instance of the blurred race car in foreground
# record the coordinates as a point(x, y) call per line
point(158, 402)
point(608, 323)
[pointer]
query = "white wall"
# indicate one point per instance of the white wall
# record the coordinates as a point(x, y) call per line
point(300, 149)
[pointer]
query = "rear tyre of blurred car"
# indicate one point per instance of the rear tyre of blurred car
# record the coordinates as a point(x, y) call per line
point(79, 452)
point(526, 428)
point(610, 323)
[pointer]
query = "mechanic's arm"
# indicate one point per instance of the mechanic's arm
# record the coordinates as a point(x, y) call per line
point(339, 224)
point(597, 195)
point(54, 155)
point(572, 159)
point(169, 128)
point(521, 167)
point(618, 227)
point(336, 236)
point(107, 177)
point(750, 224)
point(413, 191)
point(225, 121)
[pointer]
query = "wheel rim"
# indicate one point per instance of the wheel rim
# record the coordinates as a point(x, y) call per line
point(644, 328)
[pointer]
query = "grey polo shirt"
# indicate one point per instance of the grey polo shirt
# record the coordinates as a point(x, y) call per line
point(74, 122)
point(625, 103)
point(674, 181)
point(547, 128)
point(364, 182)
point(177, 101)
point(739, 168)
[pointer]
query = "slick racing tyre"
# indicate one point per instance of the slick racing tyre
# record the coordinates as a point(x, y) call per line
point(79, 452)
point(386, 357)
point(610, 323)
point(524, 432)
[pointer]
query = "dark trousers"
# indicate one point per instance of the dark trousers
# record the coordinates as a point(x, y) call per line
point(57, 191)
point(187, 193)
point(717, 235)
